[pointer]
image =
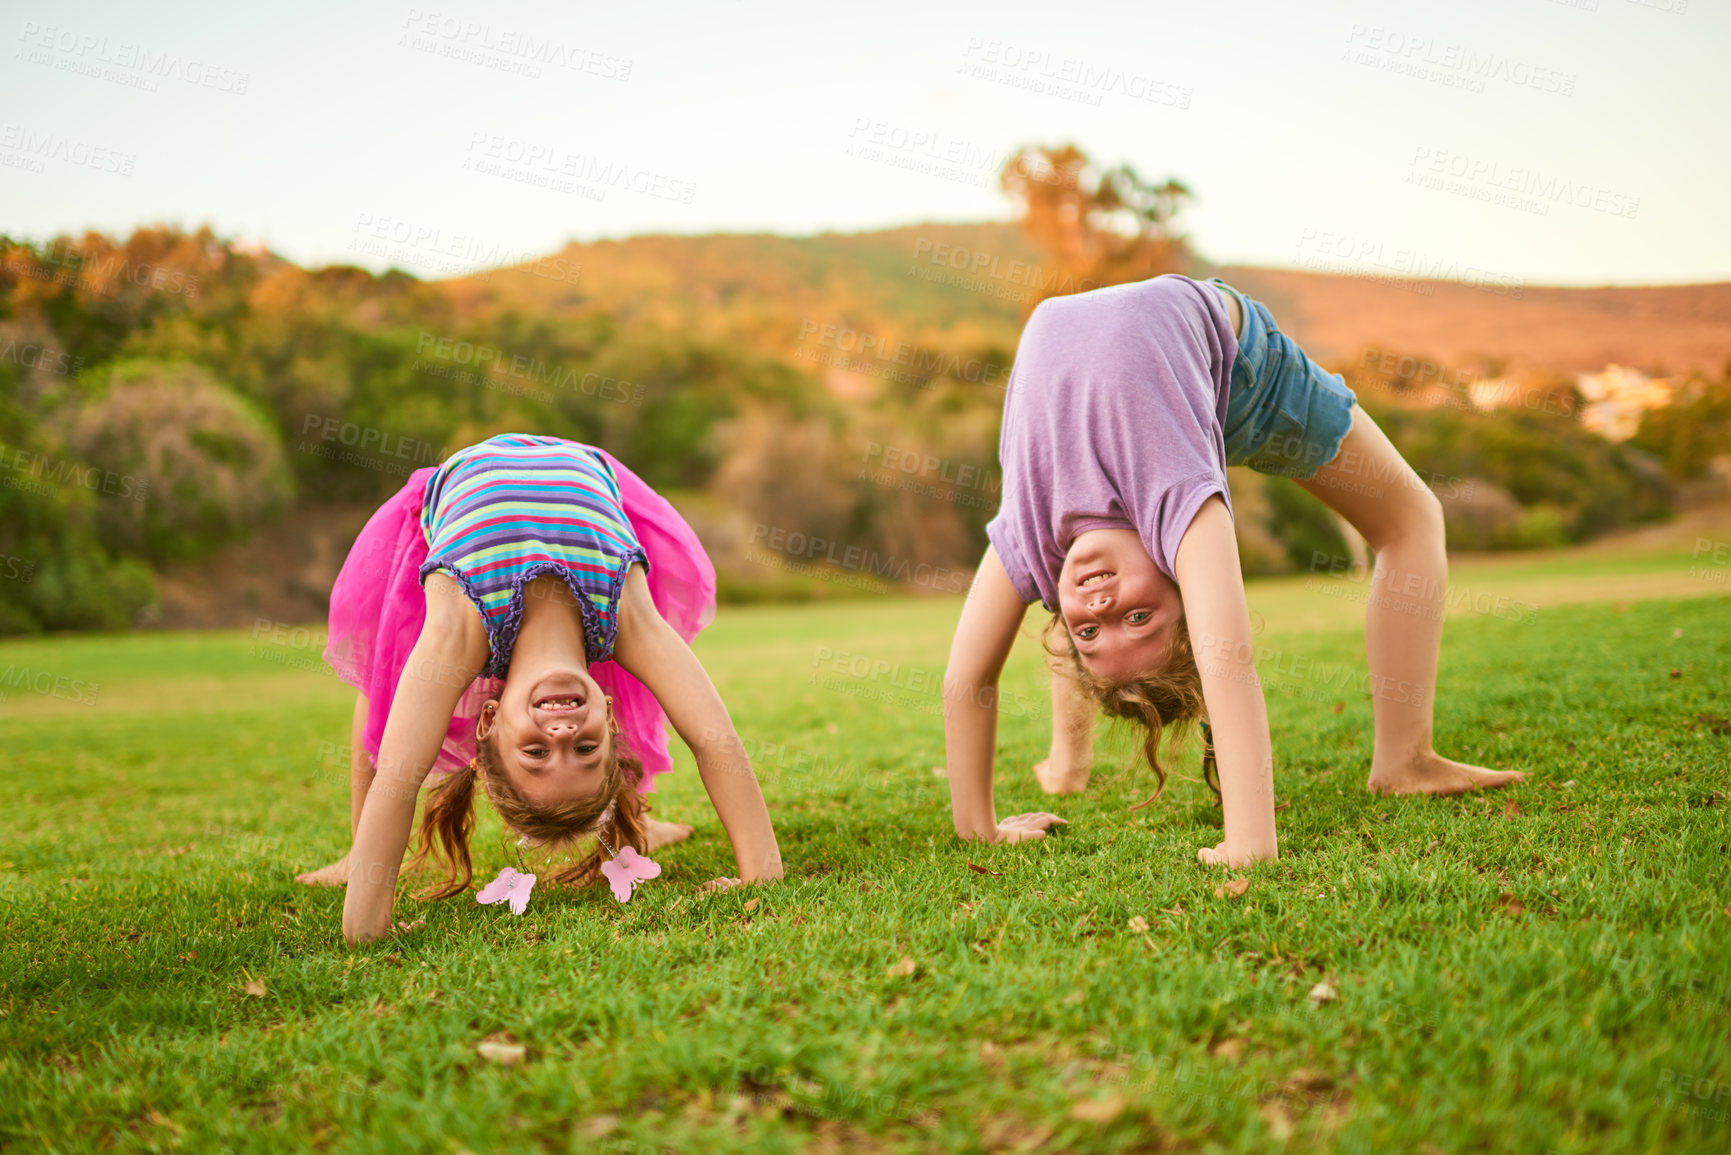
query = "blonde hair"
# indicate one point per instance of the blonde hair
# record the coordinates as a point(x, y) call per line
point(1170, 696)
point(449, 819)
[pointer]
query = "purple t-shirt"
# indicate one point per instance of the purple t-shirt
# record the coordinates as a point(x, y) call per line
point(1112, 420)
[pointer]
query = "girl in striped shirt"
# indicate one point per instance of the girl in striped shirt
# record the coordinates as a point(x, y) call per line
point(518, 619)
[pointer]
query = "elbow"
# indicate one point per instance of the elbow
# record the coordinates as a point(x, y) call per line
point(968, 685)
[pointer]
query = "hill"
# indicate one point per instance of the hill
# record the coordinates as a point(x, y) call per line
point(975, 281)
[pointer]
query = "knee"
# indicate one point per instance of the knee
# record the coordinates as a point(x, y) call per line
point(1420, 523)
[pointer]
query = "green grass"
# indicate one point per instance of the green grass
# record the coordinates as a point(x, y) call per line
point(1551, 975)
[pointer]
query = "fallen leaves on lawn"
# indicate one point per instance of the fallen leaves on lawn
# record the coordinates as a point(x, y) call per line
point(1340, 707)
point(1097, 1110)
point(978, 869)
point(1138, 924)
point(501, 1047)
point(1233, 889)
point(1323, 992)
point(1675, 674)
point(255, 988)
point(1512, 810)
point(903, 969)
point(1508, 904)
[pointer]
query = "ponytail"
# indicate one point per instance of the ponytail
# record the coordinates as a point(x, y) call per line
point(449, 815)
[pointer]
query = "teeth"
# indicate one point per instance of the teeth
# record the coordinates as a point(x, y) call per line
point(557, 702)
point(1096, 579)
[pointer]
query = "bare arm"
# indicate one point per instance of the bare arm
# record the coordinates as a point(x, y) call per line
point(360, 764)
point(655, 655)
point(1068, 764)
point(984, 637)
point(447, 656)
point(1219, 619)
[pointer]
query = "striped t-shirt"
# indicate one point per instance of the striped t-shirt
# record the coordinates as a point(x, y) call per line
point(514, 507)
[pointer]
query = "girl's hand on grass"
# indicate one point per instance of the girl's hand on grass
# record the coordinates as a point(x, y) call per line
point(336, 874)
point(717, 885)
point(1026, 827)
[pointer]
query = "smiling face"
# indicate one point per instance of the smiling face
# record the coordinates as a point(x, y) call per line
point(553, 737)
point(1119, 609)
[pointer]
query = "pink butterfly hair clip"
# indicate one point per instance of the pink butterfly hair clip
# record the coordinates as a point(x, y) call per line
point(512, 886)
point(627, 868)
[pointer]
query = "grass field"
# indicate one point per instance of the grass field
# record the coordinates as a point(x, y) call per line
point(1546, 969)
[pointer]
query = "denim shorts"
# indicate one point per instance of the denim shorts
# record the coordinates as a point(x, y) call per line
point(1285, 415)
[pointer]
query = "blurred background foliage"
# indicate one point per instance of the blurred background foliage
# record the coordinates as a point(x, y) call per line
point(174, 395)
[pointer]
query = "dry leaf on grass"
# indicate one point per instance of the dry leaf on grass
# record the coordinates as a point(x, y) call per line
point(1340, 707)
point(1510, 905)
point(1512, 810)
point(1097, 1110)
point(903, 969)
point(1232, 889)
point(255, 988)
point(158, 1119)
point(599, 1127)
point(1323, 992)
point(501, 1048)
point(1008, 1133)
point(978, 869)
point(1229, 1049)
point(1279, 1119)
point(751, 904)
point(1138, 924)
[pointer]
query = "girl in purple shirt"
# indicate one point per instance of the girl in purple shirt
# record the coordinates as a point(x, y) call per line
point(1124, 409)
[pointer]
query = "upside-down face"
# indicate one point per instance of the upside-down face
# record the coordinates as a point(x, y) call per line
point(1120, 610)
point(553, 736)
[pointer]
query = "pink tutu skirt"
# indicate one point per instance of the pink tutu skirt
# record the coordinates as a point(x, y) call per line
point(377, 607)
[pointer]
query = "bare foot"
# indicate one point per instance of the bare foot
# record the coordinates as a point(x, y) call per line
point(1434, 774)
point(1061, 781)
point(666, 833)
point(336, 874)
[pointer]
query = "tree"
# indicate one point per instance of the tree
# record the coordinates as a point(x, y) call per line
point(1102, 226)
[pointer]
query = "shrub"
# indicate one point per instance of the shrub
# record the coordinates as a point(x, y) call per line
point(193, 465)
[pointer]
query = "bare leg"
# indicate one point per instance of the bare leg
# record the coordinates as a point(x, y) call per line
point(665, 833)
point(360, 779)
point(1373, 487)
point(1066, 767)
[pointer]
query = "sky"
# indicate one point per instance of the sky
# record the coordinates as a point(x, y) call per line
point(1510, 141)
